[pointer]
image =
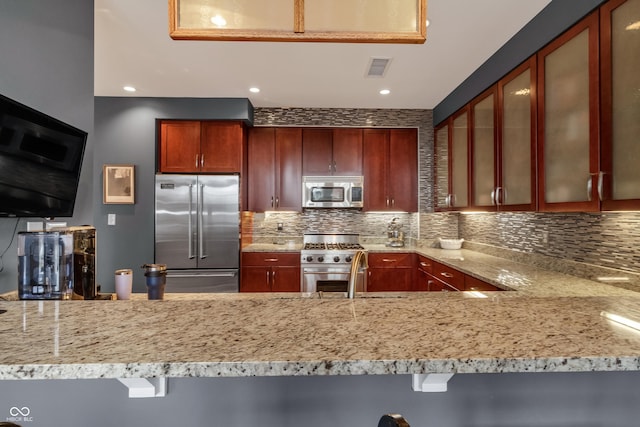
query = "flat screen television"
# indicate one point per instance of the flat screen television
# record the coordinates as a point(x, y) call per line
point(40, 161)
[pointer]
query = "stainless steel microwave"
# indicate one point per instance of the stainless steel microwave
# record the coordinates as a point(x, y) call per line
point(332, 192)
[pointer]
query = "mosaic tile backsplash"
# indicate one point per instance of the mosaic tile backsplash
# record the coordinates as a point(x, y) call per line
point(609, 240)
point(604, 239)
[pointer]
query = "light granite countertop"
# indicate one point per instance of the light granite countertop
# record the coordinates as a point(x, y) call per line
point(213, 335)
point(552, 323)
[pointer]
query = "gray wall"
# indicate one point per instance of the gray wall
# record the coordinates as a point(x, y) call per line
point(473, 400)
point(552, 21)
point(46, 62)
point(125, 132)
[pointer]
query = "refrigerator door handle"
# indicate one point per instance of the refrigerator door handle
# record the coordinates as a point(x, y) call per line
point(190, 222)
point(201, 223)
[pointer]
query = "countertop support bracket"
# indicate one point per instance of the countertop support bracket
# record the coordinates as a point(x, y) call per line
point(430, 383)
point(145, 387)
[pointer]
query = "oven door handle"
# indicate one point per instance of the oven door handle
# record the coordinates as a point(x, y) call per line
point(325, 272)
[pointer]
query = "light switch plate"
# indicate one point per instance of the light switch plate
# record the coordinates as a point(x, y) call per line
point(111, 219)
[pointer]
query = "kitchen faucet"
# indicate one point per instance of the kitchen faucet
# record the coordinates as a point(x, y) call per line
point(359, 261)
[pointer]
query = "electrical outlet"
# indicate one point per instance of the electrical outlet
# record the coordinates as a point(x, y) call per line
point(280, 226)
point(111, 219)
point(545, 238)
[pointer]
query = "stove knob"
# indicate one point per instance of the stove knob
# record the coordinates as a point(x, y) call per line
point(348, 258)
point(320, 259)
point(336, 259)
point(309, 258)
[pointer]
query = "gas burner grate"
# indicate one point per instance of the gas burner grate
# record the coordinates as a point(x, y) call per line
point(314, 246)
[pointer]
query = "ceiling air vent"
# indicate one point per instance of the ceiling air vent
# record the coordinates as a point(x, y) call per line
point(378, 67)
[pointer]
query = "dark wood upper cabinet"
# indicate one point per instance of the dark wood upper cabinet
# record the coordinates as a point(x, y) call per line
point(188, 146)
point(568, 120)
point(391, 170)
point(483, 151)
point(179, 146)
point(347, 152)
point(221, 146)
point(619, 178)
point(441, 136)
point(458, 159)
point(317, 152)
point(332, 152)
point(517, 126)
point(275, 169)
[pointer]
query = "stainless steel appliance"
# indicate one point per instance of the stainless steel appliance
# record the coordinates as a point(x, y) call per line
point(198, 232)
point(326, 262)
point(332, 192)
point(57, 264)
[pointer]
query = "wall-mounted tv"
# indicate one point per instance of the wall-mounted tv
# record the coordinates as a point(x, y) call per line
point(40, 161)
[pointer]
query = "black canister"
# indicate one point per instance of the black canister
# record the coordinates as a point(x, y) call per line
point(156, 275)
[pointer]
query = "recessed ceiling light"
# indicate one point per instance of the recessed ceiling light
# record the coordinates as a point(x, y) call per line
point(129, 88)
point(254, 89)
point(385, 92)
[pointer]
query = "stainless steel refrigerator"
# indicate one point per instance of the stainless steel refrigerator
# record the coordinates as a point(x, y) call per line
point(198, 232)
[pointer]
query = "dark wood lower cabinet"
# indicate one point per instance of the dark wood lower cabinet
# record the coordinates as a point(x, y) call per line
point(391, 272)
point(432, 276)
point(270, 272)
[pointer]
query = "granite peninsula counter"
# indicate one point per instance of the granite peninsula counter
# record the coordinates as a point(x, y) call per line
point(286, 335)
point(552, 323)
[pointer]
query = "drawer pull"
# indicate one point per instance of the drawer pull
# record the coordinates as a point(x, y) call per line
point(425, 264)
point(271, 260)
point(447, 275)
point(388, 260)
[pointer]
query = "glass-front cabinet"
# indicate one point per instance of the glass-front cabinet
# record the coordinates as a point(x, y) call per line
point(441, 154)
point(559, 133)
point(516, 189)
point(452, 162)
point(568, 132)
point(483, 151)
point(619, 180)
point(459, 161)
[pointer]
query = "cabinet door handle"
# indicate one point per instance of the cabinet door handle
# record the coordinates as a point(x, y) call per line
point(497, 195)
point(335, 169)
point(600, 185)
point(273, 278)
point(196, 161)
point(393, 202)
point(202, 160)
point(387, 202)
point(493, 197)
point(589, 187)
point(277, 202)
point(271, 201)
point(268, 276)
point(447, 275)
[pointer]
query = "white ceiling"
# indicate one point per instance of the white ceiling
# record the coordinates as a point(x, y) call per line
point(132, 47)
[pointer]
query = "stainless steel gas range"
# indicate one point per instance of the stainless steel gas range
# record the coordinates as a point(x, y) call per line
point(326, 262)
